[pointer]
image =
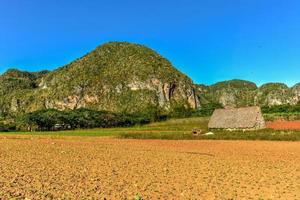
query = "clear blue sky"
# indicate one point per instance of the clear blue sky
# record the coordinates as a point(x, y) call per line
point(209, 40)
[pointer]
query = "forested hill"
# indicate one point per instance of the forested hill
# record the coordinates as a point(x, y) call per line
point(237, 93)
point(117, 76)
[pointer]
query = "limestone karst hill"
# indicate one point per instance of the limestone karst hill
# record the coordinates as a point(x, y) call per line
point(116, 76)
point(239, 93)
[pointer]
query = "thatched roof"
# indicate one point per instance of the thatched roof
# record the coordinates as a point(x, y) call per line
point(237, 118)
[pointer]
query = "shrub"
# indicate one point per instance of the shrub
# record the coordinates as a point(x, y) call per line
point(7, 127)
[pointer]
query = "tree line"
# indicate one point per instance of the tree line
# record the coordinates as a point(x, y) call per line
point(51, 119)
point(82, 118)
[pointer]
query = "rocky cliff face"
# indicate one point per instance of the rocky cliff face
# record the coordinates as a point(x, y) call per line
point(296, 92)
point(120, 77)
point(274, 94)
point(238, 93)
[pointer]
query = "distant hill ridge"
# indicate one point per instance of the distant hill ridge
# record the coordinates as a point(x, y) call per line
point(237, 93)
point(126, 77)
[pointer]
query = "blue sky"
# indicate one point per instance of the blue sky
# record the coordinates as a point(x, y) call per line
point(209, 40)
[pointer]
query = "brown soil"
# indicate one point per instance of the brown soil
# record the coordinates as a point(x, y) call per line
point(97, 168)
point(284, 125)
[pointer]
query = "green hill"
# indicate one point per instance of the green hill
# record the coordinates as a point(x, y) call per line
point(231, 93)
point(237, 93)
point(116, 76)
point(16, 91)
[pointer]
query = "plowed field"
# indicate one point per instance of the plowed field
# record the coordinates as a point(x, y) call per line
point(284, 125)
point(38, 167)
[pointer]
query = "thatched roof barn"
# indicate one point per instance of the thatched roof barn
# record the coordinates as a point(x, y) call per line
point(248, 118)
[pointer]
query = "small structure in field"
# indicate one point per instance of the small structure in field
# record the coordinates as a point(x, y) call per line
point(196, 132)
point(248, 118)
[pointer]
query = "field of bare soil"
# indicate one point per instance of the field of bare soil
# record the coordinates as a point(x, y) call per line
point(284, 125)
point(43, 167)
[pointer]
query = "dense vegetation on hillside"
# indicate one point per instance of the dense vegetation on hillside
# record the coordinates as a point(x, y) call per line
point(238, 93)
point(232, 93)
point(15, 80)
point(17, 91)
point(117, 76)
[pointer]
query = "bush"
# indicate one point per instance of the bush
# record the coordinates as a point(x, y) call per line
point(7, 127)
